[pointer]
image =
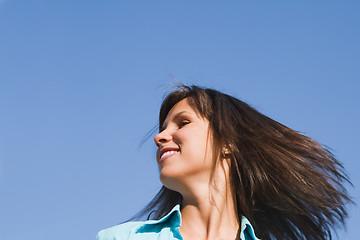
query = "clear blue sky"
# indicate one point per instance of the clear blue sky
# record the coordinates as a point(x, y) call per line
point(81, 83)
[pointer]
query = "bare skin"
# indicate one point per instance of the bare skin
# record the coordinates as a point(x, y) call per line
point(206, 219)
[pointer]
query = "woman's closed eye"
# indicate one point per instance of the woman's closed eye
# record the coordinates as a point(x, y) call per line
point(183, 123)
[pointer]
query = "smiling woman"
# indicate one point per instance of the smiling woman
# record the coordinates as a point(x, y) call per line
point(230, 172)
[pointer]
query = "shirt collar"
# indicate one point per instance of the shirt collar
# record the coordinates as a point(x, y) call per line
point(247, 229)
point(173, 219)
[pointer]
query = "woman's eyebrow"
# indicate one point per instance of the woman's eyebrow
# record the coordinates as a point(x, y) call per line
point(177, 115)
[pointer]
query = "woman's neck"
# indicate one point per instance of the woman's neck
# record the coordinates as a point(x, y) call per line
point(209, 212)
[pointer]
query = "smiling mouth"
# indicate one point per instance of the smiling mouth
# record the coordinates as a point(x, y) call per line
point(167, 154)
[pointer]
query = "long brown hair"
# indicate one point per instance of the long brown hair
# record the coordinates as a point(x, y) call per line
point(288, 185)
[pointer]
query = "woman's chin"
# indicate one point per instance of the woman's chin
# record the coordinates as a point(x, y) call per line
point(171, 182)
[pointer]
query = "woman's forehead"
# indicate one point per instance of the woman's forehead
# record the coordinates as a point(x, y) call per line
point(182, 105)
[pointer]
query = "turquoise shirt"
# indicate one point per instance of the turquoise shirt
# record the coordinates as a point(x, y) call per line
point(167, 228)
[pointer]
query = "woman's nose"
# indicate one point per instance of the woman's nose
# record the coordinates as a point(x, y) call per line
point(161, 138)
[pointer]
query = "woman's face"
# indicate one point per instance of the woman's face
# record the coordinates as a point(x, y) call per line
point(184, 147)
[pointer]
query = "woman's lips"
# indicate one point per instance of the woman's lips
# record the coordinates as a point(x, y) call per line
point(167, 155)
point(167, 152)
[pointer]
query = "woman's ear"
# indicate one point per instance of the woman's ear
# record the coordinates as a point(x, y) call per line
point(226, 151)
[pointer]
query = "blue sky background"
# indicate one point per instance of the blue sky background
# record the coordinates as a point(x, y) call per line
point(81, 83)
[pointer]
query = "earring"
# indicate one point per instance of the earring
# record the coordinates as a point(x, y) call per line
point(225, 151)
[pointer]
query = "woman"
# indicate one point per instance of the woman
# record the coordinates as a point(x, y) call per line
point(230, 172)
